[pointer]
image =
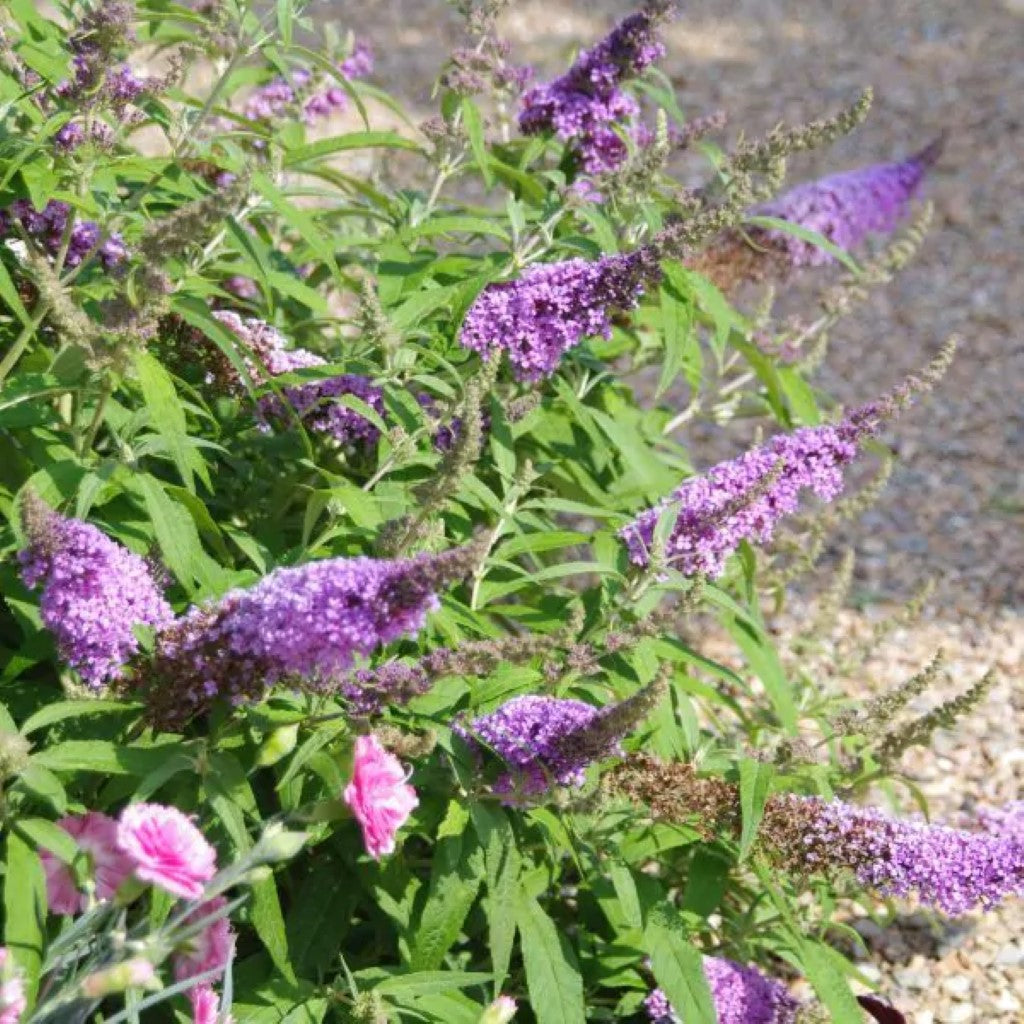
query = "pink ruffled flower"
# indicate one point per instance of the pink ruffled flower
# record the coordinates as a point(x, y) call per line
point(166, 849)
point(12, 990)
point(96, 836)
point(379, 796)
point(206, 1007)
point(212, 948)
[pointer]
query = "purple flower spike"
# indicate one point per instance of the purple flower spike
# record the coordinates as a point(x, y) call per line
point(846, 208)
point(585, 104)
point(94, 592)
point(305, 623)
point(47, 227)
point(741, 995)
point(950, 869)
point(266, 355)
point(744, 498)
point(528, 734)
point(553, 307)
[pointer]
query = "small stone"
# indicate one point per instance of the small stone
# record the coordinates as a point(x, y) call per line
point(1008, 1002)
point(870, 972)
point(958, 986)
point(958, 1013)
point(912, 979)
point(924, 1017)
point(1011, 955)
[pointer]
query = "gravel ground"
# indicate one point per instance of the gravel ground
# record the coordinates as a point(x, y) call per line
point(955, 506)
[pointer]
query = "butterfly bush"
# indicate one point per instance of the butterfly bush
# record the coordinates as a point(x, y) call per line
point(587, 106)
point(407, 686)
point(305, 622)
point(265, 352)
point(741, 995)
point(950, 869)
point(845, 208)
point(745, 498)
point(94, 592)
point(551, 308)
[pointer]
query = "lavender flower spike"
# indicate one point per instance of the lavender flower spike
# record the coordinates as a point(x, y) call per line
point(741, 995)
point(553, 307)
point(265, 354)
point(549, 741)
point(94, 592)
point(583, 105)
point(305, 623)
point(947, 868)
point(744, 498)
point(846, 208)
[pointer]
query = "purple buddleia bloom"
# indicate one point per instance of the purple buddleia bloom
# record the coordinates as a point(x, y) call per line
point(553, 307)
point(741, 995)
point(244, 287)
point(528, 734)
point(845, 208)
point(94, 592)
point(304, 623)
point(277, 96)
point(47, 228)
point(744, 498)
point(1006, 821)
point(584, 106)
point(359, 63)
point(266, 355)
point(949, 869)
point(550, 741)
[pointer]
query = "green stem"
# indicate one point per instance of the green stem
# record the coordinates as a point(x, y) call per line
point(97, 418)
point(17, 350)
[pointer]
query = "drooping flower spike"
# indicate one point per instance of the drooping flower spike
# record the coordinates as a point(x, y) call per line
point(13, 998)
point(586, 104)
point(266, 354)
point(740, 994)
point(550, 741)
point(845, 208)
point(95, 592)
point(746, 497)
point(552, 307)
point(305, 623)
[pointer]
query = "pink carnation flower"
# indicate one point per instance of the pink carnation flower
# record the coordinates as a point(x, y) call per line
point(96, 835)
point(379, 796)
point(12, 990)
point(212, 948)
point(166, 849)
point(206, 1006)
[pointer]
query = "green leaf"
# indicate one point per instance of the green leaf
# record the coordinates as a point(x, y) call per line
point(503, 865)
point(829, 984)
point(342, 143)
point(807, 235)
point(107, 758)
point(475, 130)
point(166, 413)
point(552, 974)
point(53, 713)
point(453, 887)
point(319, 919)
point(178, 538)
point(755, 780)
point(678, 967)
point(422, 982)
point(24, 910)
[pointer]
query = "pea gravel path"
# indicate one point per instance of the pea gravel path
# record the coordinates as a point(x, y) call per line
point(955, 507)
